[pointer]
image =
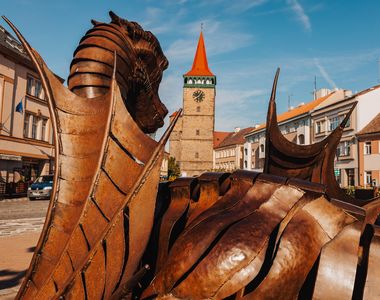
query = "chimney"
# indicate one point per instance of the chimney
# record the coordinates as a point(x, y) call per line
point(237, 129)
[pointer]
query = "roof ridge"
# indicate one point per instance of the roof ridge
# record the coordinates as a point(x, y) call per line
point(297, 111)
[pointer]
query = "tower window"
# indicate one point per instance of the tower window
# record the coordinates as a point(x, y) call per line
point(198, 109)
point(197, 132)
point(196, 155)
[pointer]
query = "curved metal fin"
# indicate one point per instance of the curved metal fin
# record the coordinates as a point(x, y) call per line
point(308, 162)
point(36, 60)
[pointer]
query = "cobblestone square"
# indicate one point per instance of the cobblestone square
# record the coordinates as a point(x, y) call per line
point(21, 222)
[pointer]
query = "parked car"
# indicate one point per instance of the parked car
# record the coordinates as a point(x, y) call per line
point(41, 188)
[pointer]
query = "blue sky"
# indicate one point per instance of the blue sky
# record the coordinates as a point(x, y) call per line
point(337, 41)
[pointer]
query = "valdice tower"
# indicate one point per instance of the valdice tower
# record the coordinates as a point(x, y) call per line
point(191, 142)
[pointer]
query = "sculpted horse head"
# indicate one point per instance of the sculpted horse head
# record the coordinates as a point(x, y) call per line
point(140, 64)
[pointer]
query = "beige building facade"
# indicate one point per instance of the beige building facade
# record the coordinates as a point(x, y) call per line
point(228, 154)
point(26, 135)
point(312, 122)
point(191, 142)
point(294, 124)
point(369, 153)
point(328, 115)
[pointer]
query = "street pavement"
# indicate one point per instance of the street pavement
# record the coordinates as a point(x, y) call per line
point(21, 222)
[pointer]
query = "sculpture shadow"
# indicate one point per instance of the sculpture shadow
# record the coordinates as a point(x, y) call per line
point(13, 278)
point(31, 249)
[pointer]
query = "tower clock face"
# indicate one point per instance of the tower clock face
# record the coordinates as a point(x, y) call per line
point(198, 95)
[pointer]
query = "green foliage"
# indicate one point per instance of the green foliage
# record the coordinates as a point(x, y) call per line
point(173, 169)
point(350, 190)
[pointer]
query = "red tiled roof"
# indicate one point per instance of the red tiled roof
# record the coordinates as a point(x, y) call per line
point(200, 64)
point(235, 138)
point(295, 112)
point(372, 127)
point(219, 137)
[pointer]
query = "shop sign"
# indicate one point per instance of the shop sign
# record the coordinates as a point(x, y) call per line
point(10, 157)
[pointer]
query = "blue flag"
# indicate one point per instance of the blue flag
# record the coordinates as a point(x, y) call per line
point(19, 107)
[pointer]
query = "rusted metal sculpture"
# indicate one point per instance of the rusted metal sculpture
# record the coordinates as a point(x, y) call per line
point(268, 236)
point(112, 232)
point(140, 63)
point(96, 231)
point(313, 162)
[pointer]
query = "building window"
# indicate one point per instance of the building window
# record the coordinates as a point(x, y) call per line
point(29, 85)
point(367, 148)
point(43, 129)
point(343, 149)
point(350, 177)
point(245, 164)
point(333, 123)
point(197, 132)
point(348, 124)
point(368, 177)
point(34, 127)
point(196, 155)
point(198, 109)
point(301, 139)
point(262, 148)
point(245, 151)
point(37, 89)
point(34, 87)
point(26, 124)
point(318, 127)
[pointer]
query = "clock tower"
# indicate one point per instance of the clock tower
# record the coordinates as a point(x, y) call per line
point(191, 142)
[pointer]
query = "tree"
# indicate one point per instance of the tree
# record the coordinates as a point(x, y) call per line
point(173, 169)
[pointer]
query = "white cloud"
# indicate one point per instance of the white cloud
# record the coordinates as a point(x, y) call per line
point(300, 13)
point(155, 16)
point(238, 108)
point(216, 34)
point(244, 5)
point(237, 97)
point(324, 73)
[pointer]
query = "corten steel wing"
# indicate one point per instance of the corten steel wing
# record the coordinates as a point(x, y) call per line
point(314, 162)
point(266, 237)
point(103, 199)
